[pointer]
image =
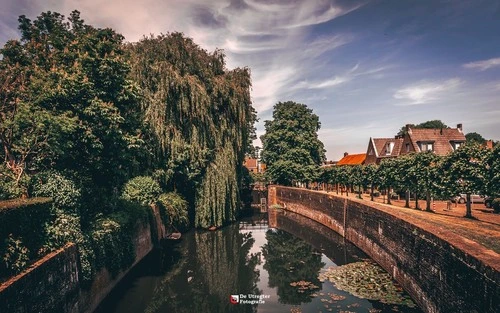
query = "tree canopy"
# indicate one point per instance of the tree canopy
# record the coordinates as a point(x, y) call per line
point(428, 124)
point(292, 150)
point(201, 121)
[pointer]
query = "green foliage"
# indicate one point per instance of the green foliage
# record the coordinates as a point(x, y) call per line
point(111, 237)
point(16, 256)
point(495, 204)
point(174, 210)
point(475, 138)
point(200, 119)
point(291, 148)
point(67, 104)
point(142, 189)
point(465, 170)
point(437, 124)
point(66, 196)
point(492, 163)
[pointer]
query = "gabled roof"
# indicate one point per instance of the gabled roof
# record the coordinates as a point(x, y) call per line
point(250, 163)
point(381, 144)
point(441, 138)
point(352, 159)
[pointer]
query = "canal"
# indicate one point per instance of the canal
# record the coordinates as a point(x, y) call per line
point(286, 263)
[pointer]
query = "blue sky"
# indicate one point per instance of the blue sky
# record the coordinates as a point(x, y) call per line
point(365, 67)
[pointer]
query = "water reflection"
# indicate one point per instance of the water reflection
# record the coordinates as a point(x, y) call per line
point(290, 260)
point(201, 271)
point(217, 265)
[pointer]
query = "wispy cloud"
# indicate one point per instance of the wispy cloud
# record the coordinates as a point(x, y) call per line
point(425, 91)
point(483, 64)
point(336, 80)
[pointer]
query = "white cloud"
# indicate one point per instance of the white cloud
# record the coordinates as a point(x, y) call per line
point(483, 64)
point(425, 92)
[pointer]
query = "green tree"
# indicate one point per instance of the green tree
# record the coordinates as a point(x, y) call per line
point(428, 124)
point(387, 174)
point(357, 178)
point(66, 102)
point(201, 122)
point(424, 170)
point(291, 148)
point(475, 138)
point(369, 178)
point(465, 172)
point(493, 172)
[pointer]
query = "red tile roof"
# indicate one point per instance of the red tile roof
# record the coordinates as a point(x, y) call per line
point(250, 163)
point(352, 159)
point(381, 143)
point(441, 138)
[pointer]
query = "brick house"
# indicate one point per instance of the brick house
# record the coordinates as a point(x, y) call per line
point(382, 148)
point(254, 165)
point(439, 140)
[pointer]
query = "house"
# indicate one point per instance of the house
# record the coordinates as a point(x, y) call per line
point(352, 159)
point(254, 165)
point(382, 148)
point(439, 140)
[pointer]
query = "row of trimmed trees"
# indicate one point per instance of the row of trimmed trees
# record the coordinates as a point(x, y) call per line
point(471, 169)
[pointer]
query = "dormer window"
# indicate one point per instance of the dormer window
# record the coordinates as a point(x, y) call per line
point(426, 146)
point(388, 148)
point(455, 145)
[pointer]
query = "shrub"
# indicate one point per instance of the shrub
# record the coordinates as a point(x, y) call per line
point(142, 189)
point(16, 256)
point(174, 210)
point(65, 194)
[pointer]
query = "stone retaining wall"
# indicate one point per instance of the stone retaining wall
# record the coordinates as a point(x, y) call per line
point(52, 284)
point(439, 277)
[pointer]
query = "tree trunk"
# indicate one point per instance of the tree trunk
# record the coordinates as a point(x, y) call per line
point(389, 195)
point(407, 198)
point(416, 201)
point(337, 188)
point(371, 193)
point(428, 200)
point(468, 208)
point(347, 191)
point(359, 192)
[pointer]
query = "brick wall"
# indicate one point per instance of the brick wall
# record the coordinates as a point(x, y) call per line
point(52, 283)
point(438, 276)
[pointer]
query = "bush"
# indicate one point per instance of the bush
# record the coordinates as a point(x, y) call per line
point(142, 189)
point(495, 204)
point(16, 256)
point(112, 237)
point(174, 210)
point(65, 194)
point(26, 219)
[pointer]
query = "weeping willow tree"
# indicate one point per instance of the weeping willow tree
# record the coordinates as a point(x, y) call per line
point(200, 119)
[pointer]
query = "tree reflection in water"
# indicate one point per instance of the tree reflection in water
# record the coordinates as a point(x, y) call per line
point(216, 265)
point(290, 259)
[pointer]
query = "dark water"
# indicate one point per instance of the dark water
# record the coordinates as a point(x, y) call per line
point(279, 267)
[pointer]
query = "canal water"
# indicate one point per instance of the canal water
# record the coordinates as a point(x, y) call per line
point(286, 263)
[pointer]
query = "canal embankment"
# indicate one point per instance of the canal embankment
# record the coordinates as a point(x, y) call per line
point(443, 271)
point(53, 283)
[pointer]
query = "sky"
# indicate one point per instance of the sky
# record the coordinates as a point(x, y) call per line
point(366, 68)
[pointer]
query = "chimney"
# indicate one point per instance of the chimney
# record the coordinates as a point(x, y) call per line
point(459, 127)
point(346, 154)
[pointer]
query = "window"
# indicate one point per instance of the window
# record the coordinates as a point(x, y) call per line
point(407, 147)
point(388, 148)
point(456, 145)
point(426, 146)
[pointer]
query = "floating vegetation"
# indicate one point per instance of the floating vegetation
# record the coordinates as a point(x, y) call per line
point(303, 285)
point(295, 310)
point(367, 280)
